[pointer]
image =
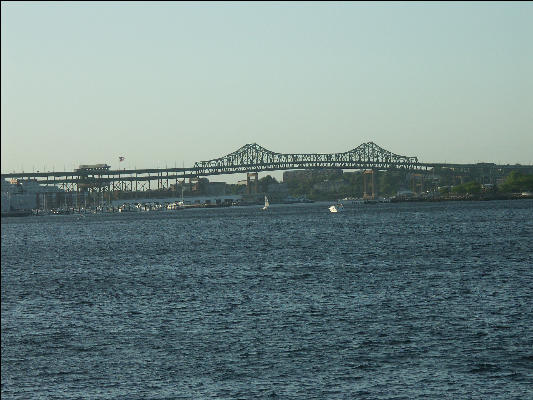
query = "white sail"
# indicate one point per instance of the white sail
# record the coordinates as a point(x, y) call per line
point(267, 204)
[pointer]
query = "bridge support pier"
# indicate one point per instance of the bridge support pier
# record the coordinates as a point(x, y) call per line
point(252, 182)
point(368, 185)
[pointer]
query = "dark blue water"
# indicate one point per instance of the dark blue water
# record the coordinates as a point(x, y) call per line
point(389, 301)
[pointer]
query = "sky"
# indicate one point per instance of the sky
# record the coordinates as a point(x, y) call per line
point(168, 84)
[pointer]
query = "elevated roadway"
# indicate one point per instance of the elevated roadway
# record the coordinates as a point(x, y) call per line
point(248, 158)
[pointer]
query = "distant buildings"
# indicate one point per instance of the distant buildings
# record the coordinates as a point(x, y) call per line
point(19, 194)
point(200, 186)
point(307, 174)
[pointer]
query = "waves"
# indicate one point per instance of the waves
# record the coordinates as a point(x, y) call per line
point(231, 303)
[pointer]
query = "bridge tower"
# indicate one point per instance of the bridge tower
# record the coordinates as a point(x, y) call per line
point(252, 182)
point(369, 192)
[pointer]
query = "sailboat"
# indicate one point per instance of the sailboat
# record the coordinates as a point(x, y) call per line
point(267, 204)
point(181, 203)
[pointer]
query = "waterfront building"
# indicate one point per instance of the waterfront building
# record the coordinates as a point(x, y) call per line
point(24, 194)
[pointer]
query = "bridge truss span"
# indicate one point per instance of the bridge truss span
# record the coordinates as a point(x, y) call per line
point(249, 158)
point(255, 158)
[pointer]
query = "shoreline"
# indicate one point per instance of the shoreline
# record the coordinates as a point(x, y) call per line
point(33, 213)
point(463, 198)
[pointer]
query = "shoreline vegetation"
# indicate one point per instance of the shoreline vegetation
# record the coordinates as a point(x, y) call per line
point(404, 187)
point(470, 197)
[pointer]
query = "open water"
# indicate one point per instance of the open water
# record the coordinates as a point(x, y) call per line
point(387, 301)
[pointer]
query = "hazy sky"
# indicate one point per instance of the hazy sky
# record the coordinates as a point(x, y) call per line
point(167, 84)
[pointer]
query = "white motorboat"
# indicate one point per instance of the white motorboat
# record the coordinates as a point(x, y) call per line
point(336, 208)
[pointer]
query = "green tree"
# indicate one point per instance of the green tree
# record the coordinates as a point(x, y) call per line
point(467, 188)
point(517, 182)
point(265, 182)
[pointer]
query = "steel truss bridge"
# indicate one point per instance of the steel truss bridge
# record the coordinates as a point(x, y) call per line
point(249, 158)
